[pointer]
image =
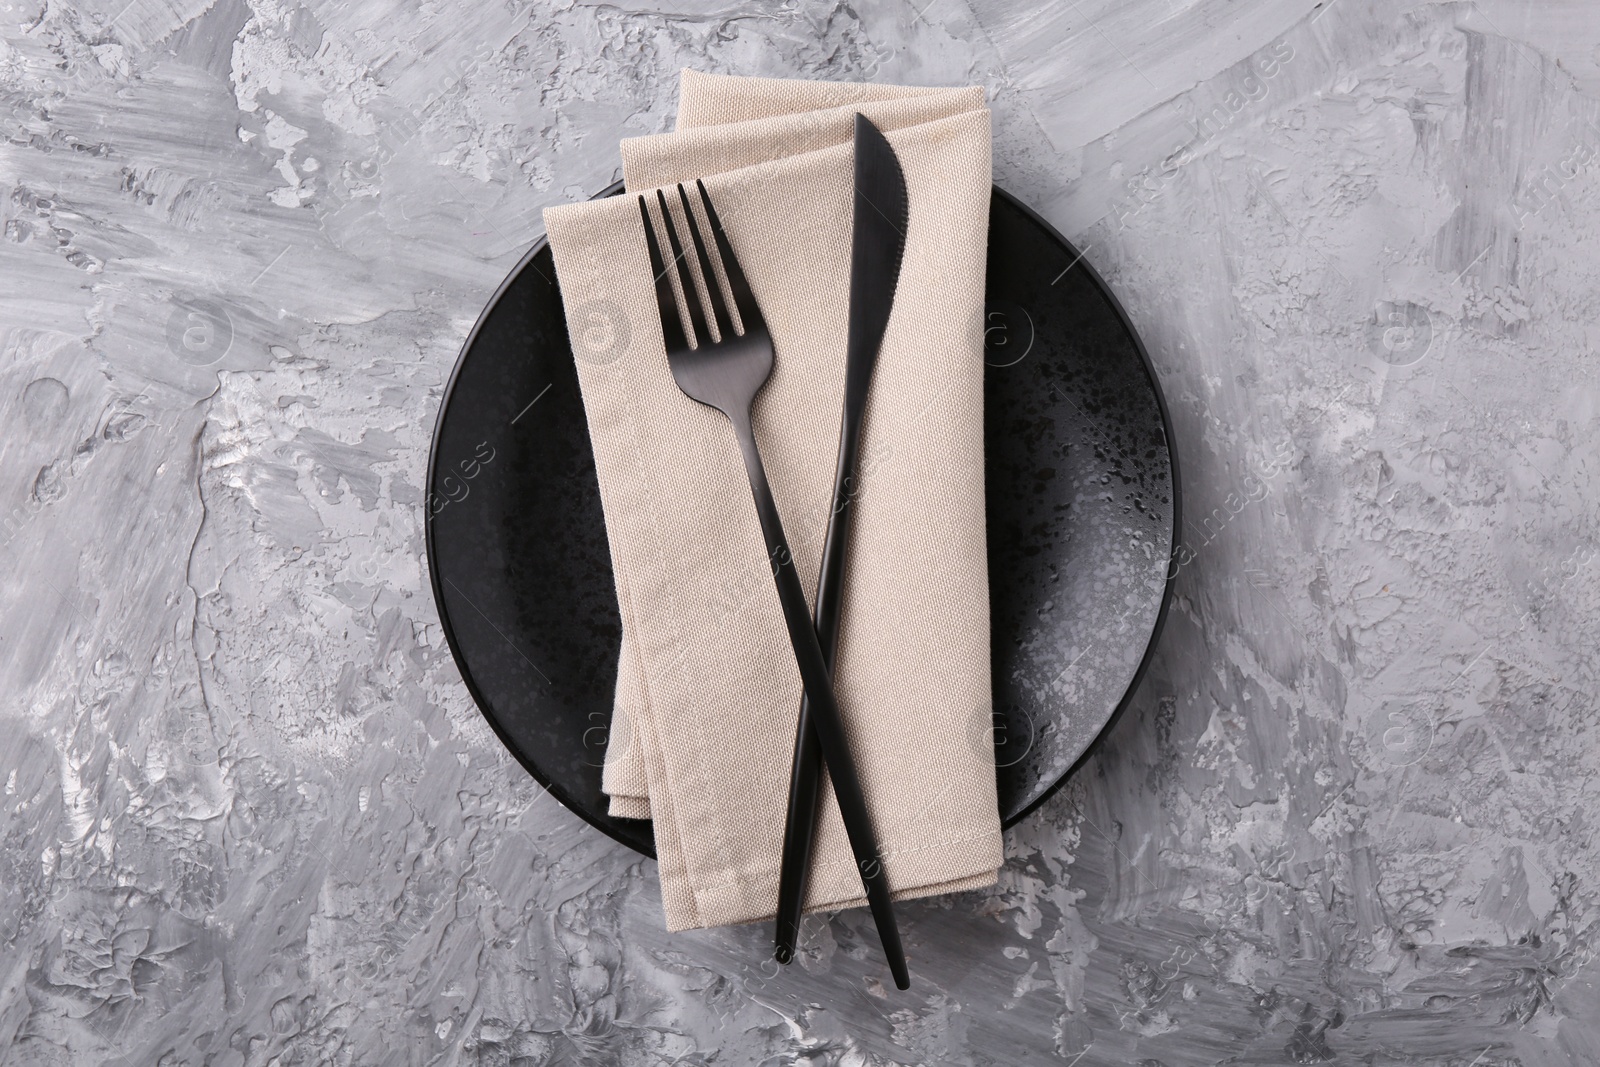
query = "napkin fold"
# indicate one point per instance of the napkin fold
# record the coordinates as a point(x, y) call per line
point(707, 691)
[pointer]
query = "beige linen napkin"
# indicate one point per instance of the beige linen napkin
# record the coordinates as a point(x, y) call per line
point(707, 688)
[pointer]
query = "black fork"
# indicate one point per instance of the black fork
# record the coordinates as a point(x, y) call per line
point(726, 373)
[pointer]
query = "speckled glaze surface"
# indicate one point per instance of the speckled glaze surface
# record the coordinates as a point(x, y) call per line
point(1082, 508)
point(249, 813)
point(1084, 505)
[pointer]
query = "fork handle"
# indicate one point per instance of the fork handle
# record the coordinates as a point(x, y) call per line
point(805, 776)
point(829, 725)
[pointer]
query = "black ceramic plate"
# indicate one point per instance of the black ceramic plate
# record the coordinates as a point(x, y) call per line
point(1083, 512)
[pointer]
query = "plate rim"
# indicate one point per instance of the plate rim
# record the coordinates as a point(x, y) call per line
point(1094, 746)
point(561, 794)
point(479, 700)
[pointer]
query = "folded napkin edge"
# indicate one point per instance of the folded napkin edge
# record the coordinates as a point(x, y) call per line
point(708, 99)
point(965, 862)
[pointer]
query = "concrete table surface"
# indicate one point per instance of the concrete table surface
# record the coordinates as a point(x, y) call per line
point(248, 814)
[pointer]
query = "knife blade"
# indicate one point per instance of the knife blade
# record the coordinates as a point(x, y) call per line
point(880, 218)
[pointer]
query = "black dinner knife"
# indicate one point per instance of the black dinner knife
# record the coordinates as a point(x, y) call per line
point(880, 216)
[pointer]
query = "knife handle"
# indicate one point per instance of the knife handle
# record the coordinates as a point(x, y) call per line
point(805, 776)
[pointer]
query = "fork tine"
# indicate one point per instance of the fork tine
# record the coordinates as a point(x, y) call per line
point(691, 296)
point(666, 302)
point(743, 299)
point(713, 289)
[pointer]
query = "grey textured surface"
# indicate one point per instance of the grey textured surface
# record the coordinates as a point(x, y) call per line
point(248, 815)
